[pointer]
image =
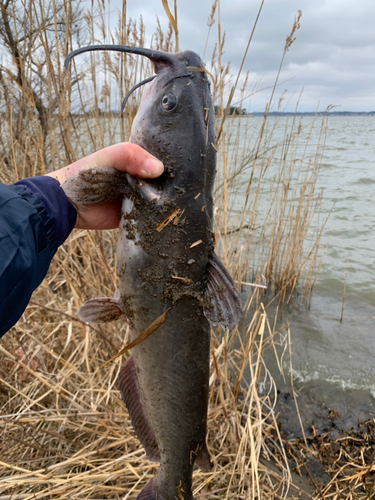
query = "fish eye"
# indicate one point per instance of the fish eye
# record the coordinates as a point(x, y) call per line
point(169, 101)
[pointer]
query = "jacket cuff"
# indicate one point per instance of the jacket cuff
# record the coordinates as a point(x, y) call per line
point(58, 214)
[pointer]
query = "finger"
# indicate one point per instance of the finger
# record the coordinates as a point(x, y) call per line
point(130, 158)
point(105, 216)
point(125, 156)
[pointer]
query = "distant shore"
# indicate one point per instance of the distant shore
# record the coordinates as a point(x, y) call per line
point(115, 113)
point(313, 113)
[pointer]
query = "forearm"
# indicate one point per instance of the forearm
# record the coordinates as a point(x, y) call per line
point(35, 218)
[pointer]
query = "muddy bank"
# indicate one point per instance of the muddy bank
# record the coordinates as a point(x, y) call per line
point(335, 457)
point(324, 409)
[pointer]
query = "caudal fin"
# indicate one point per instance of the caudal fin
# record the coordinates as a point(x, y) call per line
point(150, 492)
point(203, 460)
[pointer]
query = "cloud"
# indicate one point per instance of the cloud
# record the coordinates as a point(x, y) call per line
point(332, 58)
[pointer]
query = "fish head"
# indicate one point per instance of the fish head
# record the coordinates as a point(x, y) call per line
point(175, 119)
point(175, 123)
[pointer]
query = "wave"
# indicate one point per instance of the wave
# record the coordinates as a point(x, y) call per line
point(365, 180)
point(302, 376)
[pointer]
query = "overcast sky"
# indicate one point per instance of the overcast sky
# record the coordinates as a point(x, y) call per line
point(332, 59)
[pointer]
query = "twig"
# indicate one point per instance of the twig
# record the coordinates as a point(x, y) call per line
point(141, 337)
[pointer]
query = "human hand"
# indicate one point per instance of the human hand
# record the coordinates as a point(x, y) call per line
point(126, 157)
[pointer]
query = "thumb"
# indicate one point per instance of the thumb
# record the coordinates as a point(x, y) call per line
point(125, 157)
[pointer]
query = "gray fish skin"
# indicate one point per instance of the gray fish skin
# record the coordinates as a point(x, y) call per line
point(165, 382)
point(172, 365)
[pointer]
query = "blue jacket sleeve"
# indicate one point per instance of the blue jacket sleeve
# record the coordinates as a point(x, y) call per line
point(35, 218)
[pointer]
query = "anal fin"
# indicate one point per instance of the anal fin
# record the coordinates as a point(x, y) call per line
point(129, 388)
point(222, 300)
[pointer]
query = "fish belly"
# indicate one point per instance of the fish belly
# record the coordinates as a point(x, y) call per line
point(172, 368)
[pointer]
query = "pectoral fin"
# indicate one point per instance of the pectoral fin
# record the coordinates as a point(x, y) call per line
point(97, 185)
point(129, 388)
point(148, 192)
point(222, 300)
point(101, 310)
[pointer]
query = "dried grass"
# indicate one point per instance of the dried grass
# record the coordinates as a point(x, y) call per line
point(348, 462)
point(64, 429)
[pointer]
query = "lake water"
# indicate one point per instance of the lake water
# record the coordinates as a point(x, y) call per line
point(325, 350)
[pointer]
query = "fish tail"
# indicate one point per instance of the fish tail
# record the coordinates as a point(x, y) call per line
point(151, 492)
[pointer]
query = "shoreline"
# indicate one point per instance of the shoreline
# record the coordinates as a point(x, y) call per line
point(335, 455)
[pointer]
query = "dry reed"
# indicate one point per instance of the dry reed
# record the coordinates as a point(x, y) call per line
point(64, 431)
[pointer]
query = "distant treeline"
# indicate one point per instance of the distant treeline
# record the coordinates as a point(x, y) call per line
point(313, 113)
point(115, 112)
point(232, 111)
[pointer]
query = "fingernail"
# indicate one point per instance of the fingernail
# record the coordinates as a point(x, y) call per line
point(152, 167)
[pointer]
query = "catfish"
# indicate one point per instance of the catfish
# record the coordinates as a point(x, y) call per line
point(166, 262)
